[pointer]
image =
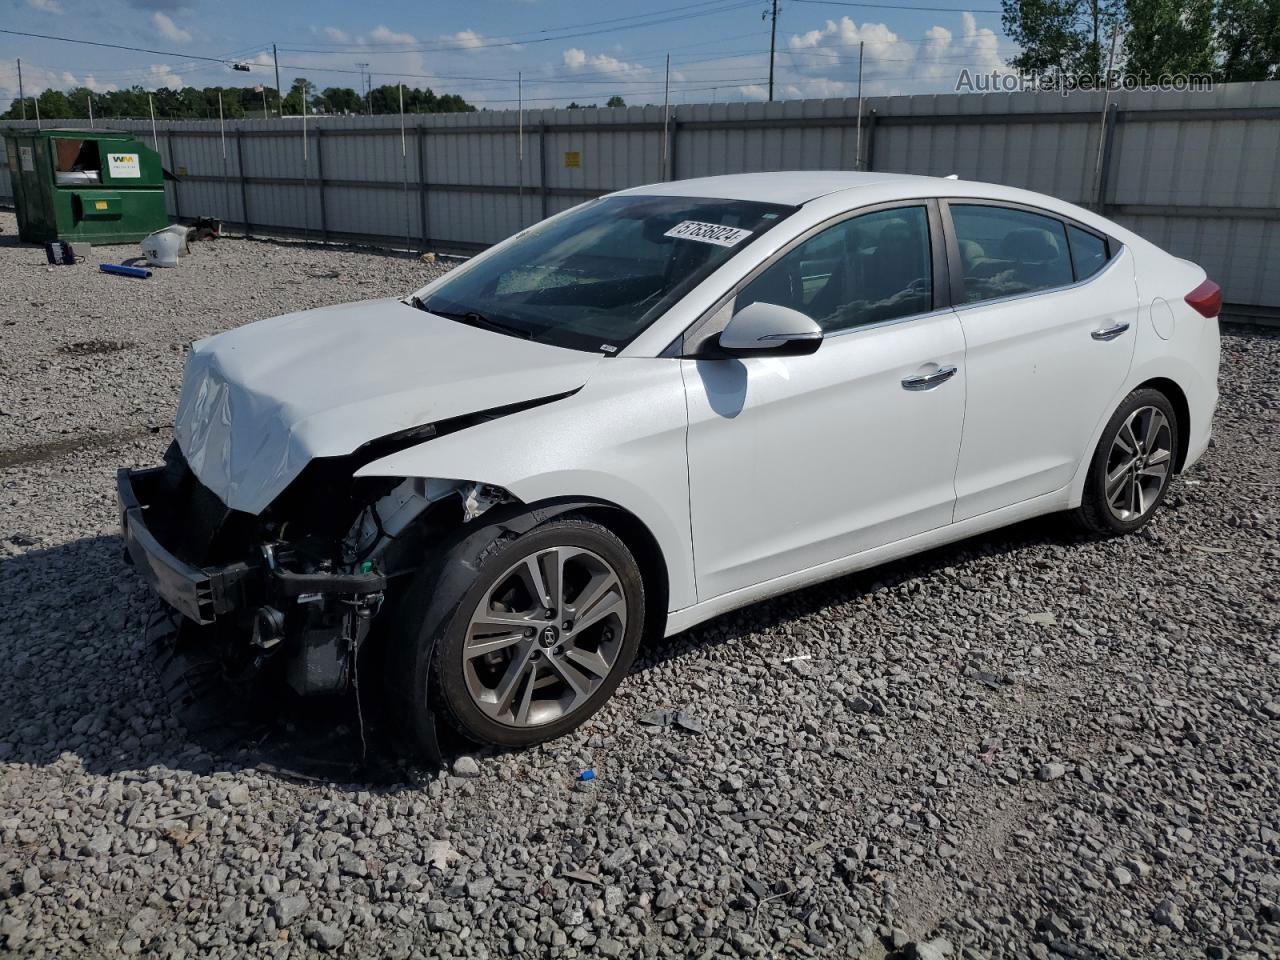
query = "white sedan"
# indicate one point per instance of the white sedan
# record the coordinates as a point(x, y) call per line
point(653, 408)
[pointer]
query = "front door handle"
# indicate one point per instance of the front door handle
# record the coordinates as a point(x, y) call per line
point(1110, 333)
point(927, 381)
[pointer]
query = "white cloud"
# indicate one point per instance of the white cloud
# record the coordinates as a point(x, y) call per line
point(336, 35)
point(98, 86)
point(168, 29)
point(384, 34)
point(578, 61)
point(37, 79)
point(45, 6)
point(162, 75)
point(824, 62)
point(465, 40)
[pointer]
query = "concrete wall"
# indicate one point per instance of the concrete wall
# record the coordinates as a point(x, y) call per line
point(1195, 172)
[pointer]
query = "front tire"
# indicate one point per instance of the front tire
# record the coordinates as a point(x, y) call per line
point(1132, 466)
point(519, 640)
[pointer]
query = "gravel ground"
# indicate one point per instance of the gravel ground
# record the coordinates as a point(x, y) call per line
point(1027, 745)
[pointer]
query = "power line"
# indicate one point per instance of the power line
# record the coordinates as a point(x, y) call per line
point(721, 8)
point(116, 46)
point(900, 6)
point(341, 45)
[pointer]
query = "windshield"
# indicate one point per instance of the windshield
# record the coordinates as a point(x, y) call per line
point(595, 278)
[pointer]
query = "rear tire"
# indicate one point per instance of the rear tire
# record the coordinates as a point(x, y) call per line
point(477, 642)
point(1130, 471)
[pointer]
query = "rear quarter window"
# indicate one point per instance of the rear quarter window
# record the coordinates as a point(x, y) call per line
point(1089, 252)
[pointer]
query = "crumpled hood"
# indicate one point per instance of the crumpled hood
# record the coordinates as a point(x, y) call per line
point(260, 402)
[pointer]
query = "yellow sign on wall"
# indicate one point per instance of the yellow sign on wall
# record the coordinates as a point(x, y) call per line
point(572, 158)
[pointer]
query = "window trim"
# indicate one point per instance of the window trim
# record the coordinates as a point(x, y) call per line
point(1114, 248)
point(689, 344)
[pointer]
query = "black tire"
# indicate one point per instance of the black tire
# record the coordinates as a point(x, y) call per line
point(425, 676)
point(1094, 513)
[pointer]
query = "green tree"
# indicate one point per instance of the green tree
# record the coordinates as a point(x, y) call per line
point(1169, 37)
point(1248, 39)
point(342, 100)
point(616, 101)
point(191, 103)
point(54, 105)
point(301, 93)
point(1066, 38)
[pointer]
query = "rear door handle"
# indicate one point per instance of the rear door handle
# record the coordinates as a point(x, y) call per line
point(1110, 333)
point(927, 381)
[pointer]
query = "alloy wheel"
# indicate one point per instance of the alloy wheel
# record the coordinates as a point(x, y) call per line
point(1138, 464)
point(544, 636)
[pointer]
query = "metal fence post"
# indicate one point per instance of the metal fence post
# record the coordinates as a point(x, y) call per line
point(422, 185)
point(244, 193)
point(674, 134)
point(173, 168)
point(1104, 163)
point(324, 227)
point(869, 141)
point(542, 167)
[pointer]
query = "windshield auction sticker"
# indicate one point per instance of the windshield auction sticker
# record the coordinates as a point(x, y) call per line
point(708, 233)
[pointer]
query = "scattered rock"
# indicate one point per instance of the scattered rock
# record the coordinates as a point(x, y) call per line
point(288, 909)
point(323, 935)
point(1051, 771)
point(466, 767)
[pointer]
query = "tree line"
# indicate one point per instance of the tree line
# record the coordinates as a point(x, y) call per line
point(192, 103)
point(1225, 40)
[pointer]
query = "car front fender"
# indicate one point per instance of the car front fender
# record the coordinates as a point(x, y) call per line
point(620, 440)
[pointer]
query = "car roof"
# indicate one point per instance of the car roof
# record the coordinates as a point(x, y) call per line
point(789, 187)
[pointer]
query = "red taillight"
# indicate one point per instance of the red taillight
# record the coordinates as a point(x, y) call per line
point(1206, 299)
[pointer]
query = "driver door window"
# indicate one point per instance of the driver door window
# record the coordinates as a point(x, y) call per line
point(864, 270)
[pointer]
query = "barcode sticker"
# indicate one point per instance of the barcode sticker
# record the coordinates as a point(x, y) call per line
point(708, 233)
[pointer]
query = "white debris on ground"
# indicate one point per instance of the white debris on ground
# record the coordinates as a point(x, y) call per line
point(1031, 744)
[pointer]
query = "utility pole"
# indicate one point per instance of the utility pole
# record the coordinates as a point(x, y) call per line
point(367, 84)
point(22, 98)
point(89, 97)
point(666, 114)
point(276, 57)
point(773, 40)
point(857, 155)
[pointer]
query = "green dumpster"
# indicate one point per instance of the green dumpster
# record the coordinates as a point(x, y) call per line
point(98, 186)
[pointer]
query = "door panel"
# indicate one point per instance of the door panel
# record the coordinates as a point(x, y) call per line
point(795, 461)
point(1039, 383)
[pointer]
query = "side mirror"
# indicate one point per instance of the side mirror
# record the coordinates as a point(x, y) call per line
point(766, 329)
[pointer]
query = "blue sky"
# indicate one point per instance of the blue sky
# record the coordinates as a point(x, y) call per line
point(565, 50)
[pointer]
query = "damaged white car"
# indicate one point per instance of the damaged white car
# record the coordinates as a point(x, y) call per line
point(653, 408)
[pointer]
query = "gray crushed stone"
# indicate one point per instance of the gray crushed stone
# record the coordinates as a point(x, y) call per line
point(1032, 744)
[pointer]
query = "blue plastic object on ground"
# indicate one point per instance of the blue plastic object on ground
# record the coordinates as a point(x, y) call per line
point(121, 270)
point(587, 775)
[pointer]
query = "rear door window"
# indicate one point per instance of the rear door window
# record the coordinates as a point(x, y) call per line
point(1006, 252)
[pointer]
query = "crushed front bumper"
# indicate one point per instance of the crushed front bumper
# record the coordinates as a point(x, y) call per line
point(202, 594)
point(199, 594)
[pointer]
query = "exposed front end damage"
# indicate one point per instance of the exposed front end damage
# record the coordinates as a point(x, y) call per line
point(296, 589)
